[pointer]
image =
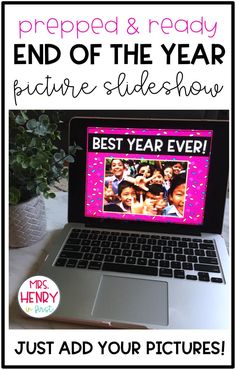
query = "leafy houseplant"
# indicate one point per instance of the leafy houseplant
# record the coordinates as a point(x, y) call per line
point(35, 162)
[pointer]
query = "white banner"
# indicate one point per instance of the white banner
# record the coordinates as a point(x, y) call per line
point(118, 347)
point(118, 56)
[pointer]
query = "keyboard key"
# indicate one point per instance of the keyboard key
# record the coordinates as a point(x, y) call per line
point(156, 237)
point(120, 259)
point(127, 252)
point(98, 257)
point(71, 248)
point(199, 252)
point(148, 254)
point(167, 249)
point(146, 247)
point(191, 277)
point(193, 245)
point(132, 239)
point(170, 256)
point(125, 234)
point(151, 241)
point(188, 251)
point(192, 259)
point(164, 237)
point(136, 247)
point(73, 241)
point(187, 266)
point(175, 265)
point(66, 254)
point(179, 274)
point(141, 240)
point(156, 248)
point(105, 244)
point(207, 268)
point(197, 240)
point(164, 263)
point(208, 260)
point(125, 246)
point(88, 256)
point(172, 243)
point(137, 253)
point(74, 234)
point(96, 250)
point(112, 238)
point(175, 238)
point(209, 247)
point(122, 238)
point(105, 250)
point(82, 264)
point(85, 242)
point(166, 272)
point(203, 276)
point(182, 244)
point(94, 265)
point(216, 280)
point(162, 242)
point(115, 245)
point(178, 250)
point(109, 258)
point(85, 249)
point(133, 269)
point(71, 263)
point(153, 262)
point(208, 241)
point(61, 262)
point(142, 261)
point(95, 243)
point(83, 235)
point(211, 253)
point(186, 239)
point(116, 251)
point(159, 256)
point(180, 257)
point(131, 260)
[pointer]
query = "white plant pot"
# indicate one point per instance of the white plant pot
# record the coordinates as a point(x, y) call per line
point(27, 222)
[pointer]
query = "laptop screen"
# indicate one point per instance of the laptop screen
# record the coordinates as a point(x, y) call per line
point(148, 175)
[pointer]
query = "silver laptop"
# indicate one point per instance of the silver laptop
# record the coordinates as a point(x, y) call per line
point(142, 247)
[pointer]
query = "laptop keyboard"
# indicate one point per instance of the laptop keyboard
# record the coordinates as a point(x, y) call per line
point(147, 254)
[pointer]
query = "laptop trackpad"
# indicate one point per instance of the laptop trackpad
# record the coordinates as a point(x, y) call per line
point(132, 300)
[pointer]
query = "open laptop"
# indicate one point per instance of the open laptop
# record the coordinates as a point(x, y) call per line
point(133, 256)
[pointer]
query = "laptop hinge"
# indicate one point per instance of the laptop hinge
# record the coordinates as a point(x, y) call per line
point(145, 228)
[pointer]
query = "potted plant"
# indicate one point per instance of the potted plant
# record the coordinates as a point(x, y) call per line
point(35, 164)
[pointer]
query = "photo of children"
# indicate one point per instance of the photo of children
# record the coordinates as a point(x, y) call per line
point(147, 187)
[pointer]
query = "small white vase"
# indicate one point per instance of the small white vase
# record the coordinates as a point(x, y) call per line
point(27, 222)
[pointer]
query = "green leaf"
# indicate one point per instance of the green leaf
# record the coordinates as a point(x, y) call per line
point(24, 115)
point(14, 195)
point(34, 163)
point(51, 195)
point(69, 159)
point(25, 163)
point(19, 158)
point(44, 119)
point(32, 124)
point(57, 156)
point(20, 120)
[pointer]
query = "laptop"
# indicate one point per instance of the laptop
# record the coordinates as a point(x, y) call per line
point(143, 247)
